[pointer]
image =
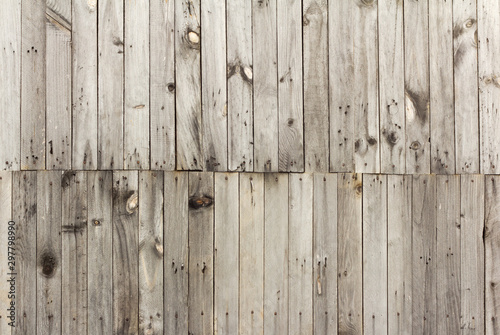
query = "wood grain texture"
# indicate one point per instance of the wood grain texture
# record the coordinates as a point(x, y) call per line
point(6, 217)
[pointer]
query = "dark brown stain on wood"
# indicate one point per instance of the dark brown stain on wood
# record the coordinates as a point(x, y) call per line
point(48, 263)
point(196, 202)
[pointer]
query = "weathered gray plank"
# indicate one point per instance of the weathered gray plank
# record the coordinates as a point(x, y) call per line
point(5, 218)
point(188, 85)
point(110, 82)
point(265, 85)
point(316, 113)
point(226, 255)
point(416, 31)
point(472, 254)
point(201, 248)
point(136, 94)
point(276, 253)
point(349, 255)
point(251, 251)
point(239, 85)
point(125, 251)
point(162, 81)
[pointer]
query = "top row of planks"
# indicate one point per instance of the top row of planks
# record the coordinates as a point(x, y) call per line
point(257, 85)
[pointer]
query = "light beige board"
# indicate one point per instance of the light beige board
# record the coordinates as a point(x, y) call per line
point(239, 85)
point(6, 219)
point(151, 252)
point(251, 289)
point(162, 84)
point(315, 68)
point(226, 255)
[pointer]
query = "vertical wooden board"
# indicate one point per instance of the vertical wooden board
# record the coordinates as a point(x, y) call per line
point(399, 254)
point(74, 252)
point(110, 83)
point(424, 307)
point(162, 84)
point(391, 86)
point(33, 85)
point(84, 99)
point(265, 85)
point(188, 85)
point(48, 245)
point(24, 213)
point(239, 85)
point(136, 94)
point(125, 252)
point(472, 254)
point(375, 254)
point(251, 289)
point(349, 253)
point(275, 253)
point(300, 239)
point(416, 31)
point(290, 94)
point(151, 252)
point(465, 86)
point(315, 58)
point(99, 252)
point(448, 254)
point(10, 91)
point(226, 255)
point(5, 218)
point(201, 249)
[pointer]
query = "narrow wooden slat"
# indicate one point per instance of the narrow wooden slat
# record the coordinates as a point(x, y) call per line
point(201, 248)
point(251, 251)
point(162, 81)
point(265, 85)
point(316, 114)
point(5, 217)
point(110, 82)
point(175, 293)
point(125, 251)
point(48, 245)
point(188, 85)
point(375, 254)
point(276, 253)
point(416, 31)
point(472, 254)
point(349, 253)
point(99, 253)
point(239, 85)
point(136, 93)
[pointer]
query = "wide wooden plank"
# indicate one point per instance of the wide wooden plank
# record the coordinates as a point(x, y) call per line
point(416, 46)
point(349, 253)
point(239, 85)
point(472, 254)
point(201, 249)
point(125, 251)
point(276, 253)
point(188, 85)
point(99, 243)
point(251, 251)
point(265, 85)
point(162, 84)
point(316, 113)
point(5, 217)
point(110, 82)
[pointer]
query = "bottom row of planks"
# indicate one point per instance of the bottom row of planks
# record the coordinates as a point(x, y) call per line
point(129, 252)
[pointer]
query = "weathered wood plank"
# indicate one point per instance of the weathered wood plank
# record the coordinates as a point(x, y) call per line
point(251, 251)
point(316, 114)
point(125, 251)
point(175, 293)
point(6, 179)
point(239, 85)
point(201, 248)
point(162, 81)
point(276, 253)
point(151, 252)
point(349, 255)
point(110, 82)
point(472, 254)
point(188, 85)
point(265, 86)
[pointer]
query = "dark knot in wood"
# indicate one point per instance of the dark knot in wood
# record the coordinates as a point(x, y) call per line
point(415, 145)
point(196, 202)
point(48, 264)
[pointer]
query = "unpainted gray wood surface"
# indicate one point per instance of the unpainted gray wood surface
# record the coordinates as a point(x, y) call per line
point(5, 217)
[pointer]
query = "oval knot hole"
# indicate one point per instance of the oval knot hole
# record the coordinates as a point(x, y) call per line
point(415, 145)
point(196, 202)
